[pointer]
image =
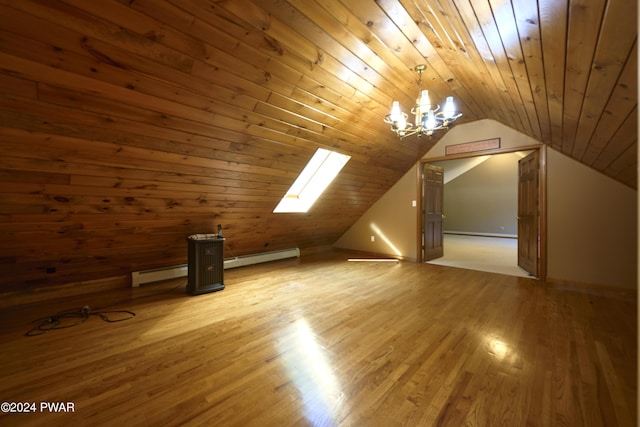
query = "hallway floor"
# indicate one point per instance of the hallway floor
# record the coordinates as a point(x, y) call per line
point(492, 254)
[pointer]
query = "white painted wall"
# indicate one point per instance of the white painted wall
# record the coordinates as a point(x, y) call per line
point(392, 221)
point(592, 220)
point(592, 225)
point(483, 199)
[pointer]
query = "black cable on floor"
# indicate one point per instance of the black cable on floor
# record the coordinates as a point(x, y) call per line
point(78, 316)
point(57, 321)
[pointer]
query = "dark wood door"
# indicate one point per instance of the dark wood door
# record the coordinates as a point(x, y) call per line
point(529, 212)
point(432, 211)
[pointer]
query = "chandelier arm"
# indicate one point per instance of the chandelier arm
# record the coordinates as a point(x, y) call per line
point(406, 134)
point(440, 114)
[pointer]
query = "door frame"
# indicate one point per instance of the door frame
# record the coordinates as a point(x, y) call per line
point(542, 192)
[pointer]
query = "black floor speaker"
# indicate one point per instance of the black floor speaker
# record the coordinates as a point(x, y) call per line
point(205, 263)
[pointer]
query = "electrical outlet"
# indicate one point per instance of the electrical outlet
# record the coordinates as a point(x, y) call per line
point(373, 238)
point(413, 203)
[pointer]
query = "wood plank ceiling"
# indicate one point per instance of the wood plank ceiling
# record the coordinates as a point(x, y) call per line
point(128, 125)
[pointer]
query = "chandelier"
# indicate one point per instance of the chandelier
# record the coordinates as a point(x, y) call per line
point(428, 117)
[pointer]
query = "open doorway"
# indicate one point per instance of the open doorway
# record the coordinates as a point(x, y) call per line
point(481, 207)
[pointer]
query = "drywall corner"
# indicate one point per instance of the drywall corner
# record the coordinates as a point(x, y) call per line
point(389, 225)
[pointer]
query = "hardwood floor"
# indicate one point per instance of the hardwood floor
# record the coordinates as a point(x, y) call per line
point(323, 341)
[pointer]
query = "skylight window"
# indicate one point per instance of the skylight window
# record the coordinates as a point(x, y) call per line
point(323, 167)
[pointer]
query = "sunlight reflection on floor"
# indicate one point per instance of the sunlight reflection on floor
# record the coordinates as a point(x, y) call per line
point(311, 372)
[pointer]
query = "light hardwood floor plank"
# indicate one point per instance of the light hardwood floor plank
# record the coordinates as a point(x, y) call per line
point(323, 341)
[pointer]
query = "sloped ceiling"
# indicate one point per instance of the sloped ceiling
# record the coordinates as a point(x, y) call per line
point(127, 125)
point(457, 167)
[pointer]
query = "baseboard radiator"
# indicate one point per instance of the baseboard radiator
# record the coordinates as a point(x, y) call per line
point(164, 273)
